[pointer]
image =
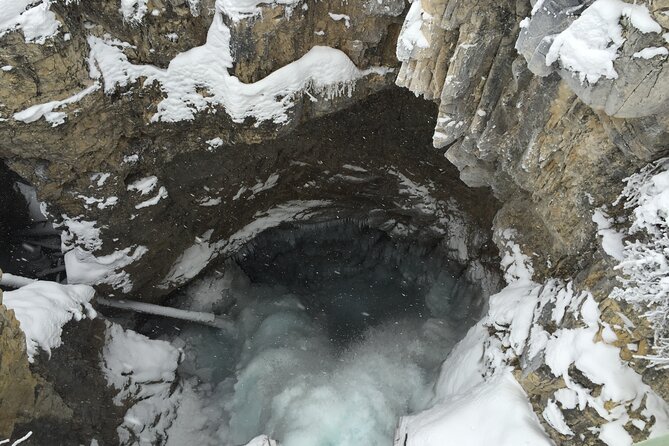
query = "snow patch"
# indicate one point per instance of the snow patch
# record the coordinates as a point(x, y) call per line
point(612, 240)
point(80, 232)
point(144, 185)
point(47, 112)
point(411, 37)
point(84, 267)
point(340, 17)
point(38, 23)
point(133, 10)
point(589, 46)
point(198, 79)
point(162, 193)
point(243, 9)
point(43, 308)
point(499, 404)
point(144, 372)
point(650, 52)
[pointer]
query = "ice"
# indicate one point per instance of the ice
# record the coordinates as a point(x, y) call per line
point(332, 355)
point(195, 258)
point(43, 308)
point(36, 208)
point(294, 384)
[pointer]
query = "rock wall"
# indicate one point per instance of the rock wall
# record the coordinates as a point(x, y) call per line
point(536, 137)
point(24, 395)
point(213, 171)
point(155, 198)
point(553, 146)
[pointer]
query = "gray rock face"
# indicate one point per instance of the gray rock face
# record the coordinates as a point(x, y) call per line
point(552, 148)
point(542, 140)
point(634, 93)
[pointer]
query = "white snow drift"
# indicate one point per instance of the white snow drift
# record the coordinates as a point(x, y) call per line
point(43, 308)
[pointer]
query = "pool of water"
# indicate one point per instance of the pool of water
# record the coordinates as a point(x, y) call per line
point(336, 336)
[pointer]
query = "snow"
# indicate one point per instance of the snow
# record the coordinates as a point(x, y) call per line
point(100, 203)
point(82, 232)
point(411, 38)
point(144, 372)
point(322, 70)
point(645, 266)
point(496, 412)
point(43, 308)
point(210, 201)
point(589, 46)
point(614, 434)
point(354, 168)
point(100, 178)
point(215, 143)
point(340, 17)
point(264, 185)
point(131, 159)
point(144, 185)
point(651, 51)
point(476, 386)
point(38, 23)
point(162, 193)
point(195, 258)
point(243, 9)
point(84, 267)
point(12, 281)
point(612, 240)
point(133, 10)
point(469, 392)
point(47, 112)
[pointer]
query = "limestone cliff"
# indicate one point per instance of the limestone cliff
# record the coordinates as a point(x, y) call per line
point(157, 162)
point(554, 146)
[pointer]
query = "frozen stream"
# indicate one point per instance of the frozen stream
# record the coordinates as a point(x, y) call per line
point(338, 336)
